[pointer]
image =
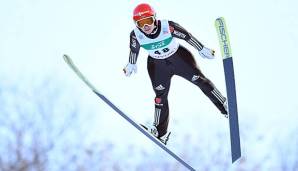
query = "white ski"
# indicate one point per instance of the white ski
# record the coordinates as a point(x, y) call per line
point(133, 123)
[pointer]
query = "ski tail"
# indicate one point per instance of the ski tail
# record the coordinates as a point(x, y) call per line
point(68, 60)
point(226, 52)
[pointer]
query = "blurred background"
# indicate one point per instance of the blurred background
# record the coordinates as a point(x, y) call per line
point(50, 121)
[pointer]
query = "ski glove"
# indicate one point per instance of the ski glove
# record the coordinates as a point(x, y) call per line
point(129, 69)
point(207, 53)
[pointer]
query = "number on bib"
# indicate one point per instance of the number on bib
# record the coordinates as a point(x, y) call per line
point(165, 50)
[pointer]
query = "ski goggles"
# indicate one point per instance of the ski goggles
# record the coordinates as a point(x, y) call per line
point(145, 21)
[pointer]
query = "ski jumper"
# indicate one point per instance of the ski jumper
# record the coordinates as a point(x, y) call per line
point(166, 59)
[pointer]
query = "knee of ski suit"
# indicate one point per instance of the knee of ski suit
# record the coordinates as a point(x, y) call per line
point(204, 83)
point(160, 102)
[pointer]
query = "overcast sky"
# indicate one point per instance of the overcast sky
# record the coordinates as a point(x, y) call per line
point(34, 34)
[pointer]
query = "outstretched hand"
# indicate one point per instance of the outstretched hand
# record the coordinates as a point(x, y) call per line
point(207, 53)
point(129, 69)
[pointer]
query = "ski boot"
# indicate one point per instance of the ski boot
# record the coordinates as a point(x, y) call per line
point(153, 131)
point(225, 111)
point(165, 138)
point(223, 108)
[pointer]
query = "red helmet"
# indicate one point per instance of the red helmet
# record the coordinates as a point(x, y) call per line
point(142, 11)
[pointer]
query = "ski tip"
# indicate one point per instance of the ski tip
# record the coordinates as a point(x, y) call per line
point(220, 21)
point(67, 59)
point(220, 18)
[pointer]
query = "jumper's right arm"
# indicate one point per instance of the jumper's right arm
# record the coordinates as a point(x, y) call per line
point(134, 48)
point(133, 55)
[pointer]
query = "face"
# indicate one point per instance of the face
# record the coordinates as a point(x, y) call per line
point(148, 28)
point(146, 24)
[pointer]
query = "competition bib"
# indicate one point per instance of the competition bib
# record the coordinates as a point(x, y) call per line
point(162, 46)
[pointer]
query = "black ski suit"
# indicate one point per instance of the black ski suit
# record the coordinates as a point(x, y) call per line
point(181, 63)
